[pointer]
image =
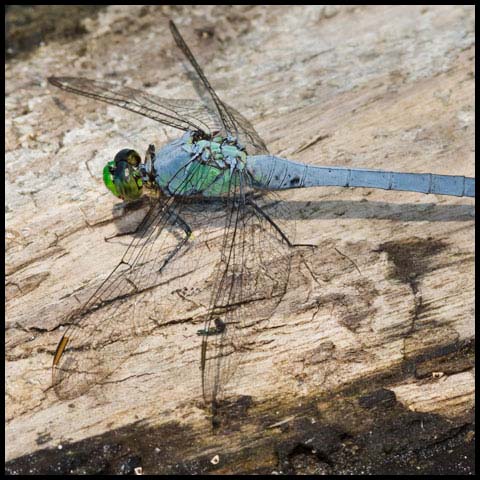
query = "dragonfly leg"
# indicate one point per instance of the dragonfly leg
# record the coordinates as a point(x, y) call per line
point(188, 234)
point(276, 227)
point(150, 153)
point(147, 169)
point(140, 226)
point(149, 158)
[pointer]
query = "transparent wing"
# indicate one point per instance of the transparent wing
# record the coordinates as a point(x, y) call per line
point(132, 301)
point(252, 277)
point(224, 115)
point(247, 135)
point(183, 114)
point(232, 121)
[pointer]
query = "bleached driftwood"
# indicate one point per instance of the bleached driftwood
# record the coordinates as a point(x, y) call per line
point(384, 301)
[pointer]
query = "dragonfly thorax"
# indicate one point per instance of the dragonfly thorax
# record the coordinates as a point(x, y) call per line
point(224, 153)
point(199, 165)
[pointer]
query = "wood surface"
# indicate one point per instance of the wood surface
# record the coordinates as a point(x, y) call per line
point(385, 302)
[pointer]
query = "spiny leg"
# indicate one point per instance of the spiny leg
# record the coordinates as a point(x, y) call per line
point(147, 168)
point(276, 227)
point(188, 234)
point(150, 154)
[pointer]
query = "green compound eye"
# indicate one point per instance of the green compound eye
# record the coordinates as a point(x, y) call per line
point(121, 176)
point(108, 172)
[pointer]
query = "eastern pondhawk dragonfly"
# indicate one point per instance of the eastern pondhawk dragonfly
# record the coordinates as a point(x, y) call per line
point(220, 164)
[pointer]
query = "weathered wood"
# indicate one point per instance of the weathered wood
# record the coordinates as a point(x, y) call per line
point(386, 301)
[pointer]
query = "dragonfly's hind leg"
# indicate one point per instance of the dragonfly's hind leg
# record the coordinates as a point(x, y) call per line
point(267, 217)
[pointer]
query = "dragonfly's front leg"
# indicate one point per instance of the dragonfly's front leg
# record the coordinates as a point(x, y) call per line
point(147, 168)
point(141, 226)
point(149, 158)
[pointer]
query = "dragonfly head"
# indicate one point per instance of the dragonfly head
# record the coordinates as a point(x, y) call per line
point(122, 175)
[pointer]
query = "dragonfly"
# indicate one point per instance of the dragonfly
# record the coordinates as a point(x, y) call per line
point(222, 166)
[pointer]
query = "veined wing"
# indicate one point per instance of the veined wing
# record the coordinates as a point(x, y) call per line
point(252, 277)
point(232, 121)
point(224, 115)
point(130, 303)
point(181, 114)
point(184, 114)
point(247, 135)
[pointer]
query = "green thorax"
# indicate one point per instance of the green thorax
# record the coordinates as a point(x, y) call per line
point(218, 152)
point(212, 167)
